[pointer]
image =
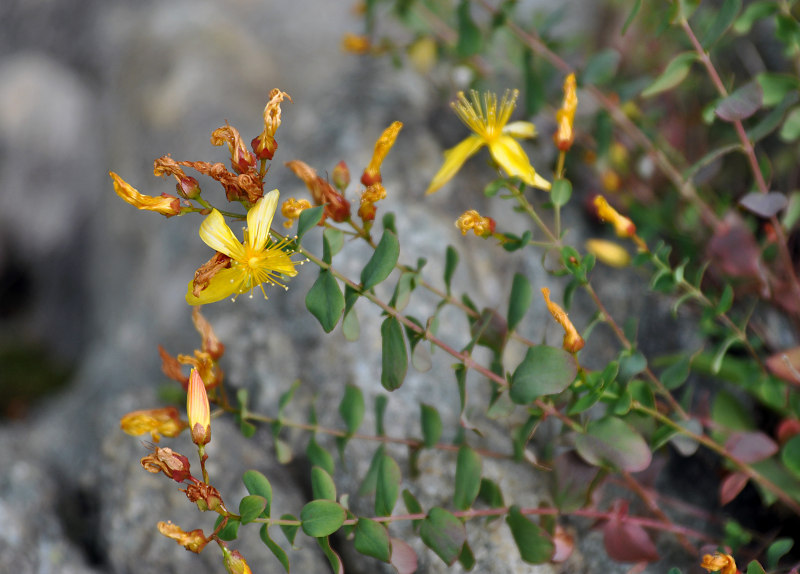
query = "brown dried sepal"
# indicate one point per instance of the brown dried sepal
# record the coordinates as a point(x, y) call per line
point(206, 272)
point(205, 496)
point(166, 460)
point(211, 344)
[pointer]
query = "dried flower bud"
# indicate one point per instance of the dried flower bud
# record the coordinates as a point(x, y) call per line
point(623, 226)
point(341, 176)
point(472, 220)
point(722, 563)
point(198, 410)
point(565, 117)
point(265, 145)
point(234, 562)
point(322, 192)
point(166, 205)
point(157, 422)
point(193, 541)
point(241, 158)
point(205, 496)
point(608, 252)
point(372, 174)
point(211, 344)
point(188, 187)
point(171, 463)
point(573, 342)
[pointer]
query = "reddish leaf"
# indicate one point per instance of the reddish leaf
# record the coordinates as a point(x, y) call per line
point(741, 104)
point(750, 446)
point(564, 543)
point(764, 204)
point(404, 559)
point(787, 429)
point(732, 486)
point(786, 365)
point(627, 542)
point(734, 250)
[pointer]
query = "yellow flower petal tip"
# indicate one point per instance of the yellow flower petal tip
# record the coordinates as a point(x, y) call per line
point(608, 252)
point(198, 410)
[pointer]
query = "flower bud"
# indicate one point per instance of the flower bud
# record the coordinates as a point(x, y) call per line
point(565, 117)
point(355, 44)
point(188, 187)
point(372, 174)
point(608, 252)
point(193, 541)
point(722, 563)
point(341, 176)
point(472, 220)
point(234, 562)
point(623, 226)
point(264, 145)
point(198, 410)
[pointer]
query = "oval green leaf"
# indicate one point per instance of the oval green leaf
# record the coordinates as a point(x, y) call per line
point(444, 534)
point(675, 72)
point(251, 507)
point(519, 300)
point(276, 550)
point(535, 547)
point(308, 219)
point(322, 485)
point(382, 262)
point(257, 483)
point(352, 408)
point(372, 539)
point(544, 371)
point(468, 478)
point(614, 442)
point(325, 300)
point(394, 359)
point(387, 488)
point(431, 425)
point(321, 518)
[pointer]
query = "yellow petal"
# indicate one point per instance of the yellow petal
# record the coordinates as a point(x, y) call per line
point(259, 220)
point(218, 236)
point(512, 158)
point(224, 284)
point(520, 130)
point(454, 158)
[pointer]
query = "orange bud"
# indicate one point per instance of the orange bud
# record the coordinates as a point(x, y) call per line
point(166, 205)
point(472, 220)
point(372, 174)
point(157, 422)
point(623, 226)
point(198, 410)
point(565, 117)
point(193, 541)
point(573, 342)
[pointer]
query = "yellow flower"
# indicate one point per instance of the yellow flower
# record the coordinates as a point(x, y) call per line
point(623, 226)
point(193, 541)
point(608, 252)
point(472, 220)
point(292, 208)
point(198, 410)
point(372, 174)
point(253, 262)
point(722, 563)
point(165, 205)
point(565, 117)
point(157, 422)
point(355, 44)
point(491, 129)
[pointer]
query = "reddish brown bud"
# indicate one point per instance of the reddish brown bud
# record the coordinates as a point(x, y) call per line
point(188, 187)
point(172, 464)
point(205, 496)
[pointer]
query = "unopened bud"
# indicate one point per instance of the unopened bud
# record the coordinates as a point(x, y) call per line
point(235, 562)
point(341, 176)
point(372, 174)
point(623, 226)
point(188, 187)
point(573, 342)
point(198, 410)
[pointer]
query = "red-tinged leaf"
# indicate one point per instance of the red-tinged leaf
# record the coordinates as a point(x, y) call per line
point(750, 447)
point(764, 204)
point(732, 486)
point(404, 559)
point(787, 429)
point(612, 441)
point(734, 250)
point(786, 365)
point(741, 104)
point(564, 543)
point(627, 542)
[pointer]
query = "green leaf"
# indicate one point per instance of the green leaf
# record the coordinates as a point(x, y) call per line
point(352, 408)
point(388, 486)
point(631, 16)
point(230, 531)
point(308, 219)
point(725, 300)
point(325, 300)
point(601, 68)
point(412, 505)
point(790, 455)
point(289, 530)
point(778, 550)
point(402, 291)
point(431, 425)
point(467, 557)
point(755, 568)
point(394, 358)
point(469, 35)
point(382, 262)
point(251, 507)
point(321, 518)
point(350, 326)
point(444, 534)
point(276, 550)
point(753, 12)
point(543, 371)
point(741, 104)
point(728, 412)
point(773, 119)
point(676, 374)
point(333, 241)
point(372, 539)
point(675, 72)
point(319, 456)
point(561, 192)
point(468, 478)
point(723, 18)
point(790, 130)
point(333, 558)
point(491, 494)
point(535, 547)
point(380, 409)
point(257, 483)
point(520, 300)
point(614, 442)
point(776, 86)
point(450, 264)
point(322, 485)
